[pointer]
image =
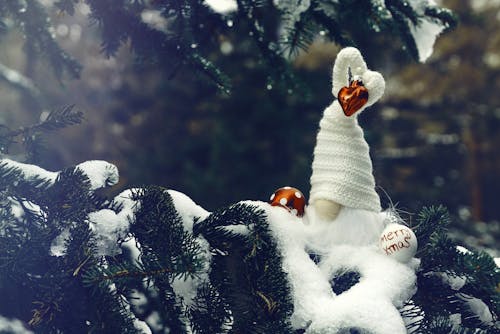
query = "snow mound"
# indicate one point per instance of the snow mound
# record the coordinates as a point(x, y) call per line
point(30, 172)
point(222, 6)
point(186, 288)
point(13, 326)
point(109, 226)
point(100, 173)
point(426, 31)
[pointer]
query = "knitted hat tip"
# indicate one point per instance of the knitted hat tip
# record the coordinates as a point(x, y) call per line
point(342, 167)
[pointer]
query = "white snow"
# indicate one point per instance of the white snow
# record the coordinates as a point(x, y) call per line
point(296, 7)
point(187, 209)
point(411, 319)
point(155, 323)
point(222, 6)
point(138, 300)
point(13, 326)
point(132, 246)
point(479, 308)
point(141, 326)
point(19, 208)
point(154, 19)
point(291, 11)
point(186, 288)
point(236, 229)
point(110, 226)
point(463, 250)
point(456, 320)
point(347, 244)
point(426, 31)
point(58, 245)
point(16, 209)
point(455, 282)
point(30, 172)
point(100, 173)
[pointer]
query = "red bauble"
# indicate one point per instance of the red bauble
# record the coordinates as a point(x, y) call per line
point(289, 198)
point(352, 98)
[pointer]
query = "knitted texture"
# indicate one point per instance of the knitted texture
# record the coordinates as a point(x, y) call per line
point(342, 169)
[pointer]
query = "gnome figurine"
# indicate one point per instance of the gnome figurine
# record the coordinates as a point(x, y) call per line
point(342, 169)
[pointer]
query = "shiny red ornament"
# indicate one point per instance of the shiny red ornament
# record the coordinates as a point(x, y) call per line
point(352, 98)
point(289, 198)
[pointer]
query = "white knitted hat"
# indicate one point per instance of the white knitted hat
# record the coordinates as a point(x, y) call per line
point(342, 168)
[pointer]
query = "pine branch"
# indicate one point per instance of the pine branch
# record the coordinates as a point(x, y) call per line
point(402, 13)
point(209, 313)
point(165, 247)
point(475, 276)
point(59, 119)
point(432, 221)
point(121, 272)
point(259, 300)
point(403, 8)
point(442, 15)
point(320, 15)
point(31, 136)
point(32, 19)
point(67, 6)
point(80, 251)
point(299, 35)
point(19, 81)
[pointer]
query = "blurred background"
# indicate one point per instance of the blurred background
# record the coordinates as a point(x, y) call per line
point(434, 136)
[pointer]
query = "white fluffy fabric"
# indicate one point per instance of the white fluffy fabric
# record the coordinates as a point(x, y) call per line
point(342, 168)
point(347, 244)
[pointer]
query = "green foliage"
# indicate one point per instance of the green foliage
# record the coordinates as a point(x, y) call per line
point(241, 285)
point(166, 249)
point(258, 293)
point(449, 279)
point(187, 33)
point(32, 19)
point(432, 222)
point(41, 288)
point(209, 312)
point(344, 280)
point(31, 137)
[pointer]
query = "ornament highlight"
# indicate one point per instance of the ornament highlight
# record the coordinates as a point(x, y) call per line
point(399, 242)
point(352, 98)
point(289, 198)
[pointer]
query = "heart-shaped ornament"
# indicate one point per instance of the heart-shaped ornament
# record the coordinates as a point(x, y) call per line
point(352, 98)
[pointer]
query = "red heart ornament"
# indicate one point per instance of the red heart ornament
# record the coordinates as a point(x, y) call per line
point(352, 98)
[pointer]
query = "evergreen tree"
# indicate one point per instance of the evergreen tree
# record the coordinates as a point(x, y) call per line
point(150, 260)
point(176, 34)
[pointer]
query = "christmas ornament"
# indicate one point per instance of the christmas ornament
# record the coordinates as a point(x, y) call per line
point(398, 242)
point(352, 98)
point(289, 198)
